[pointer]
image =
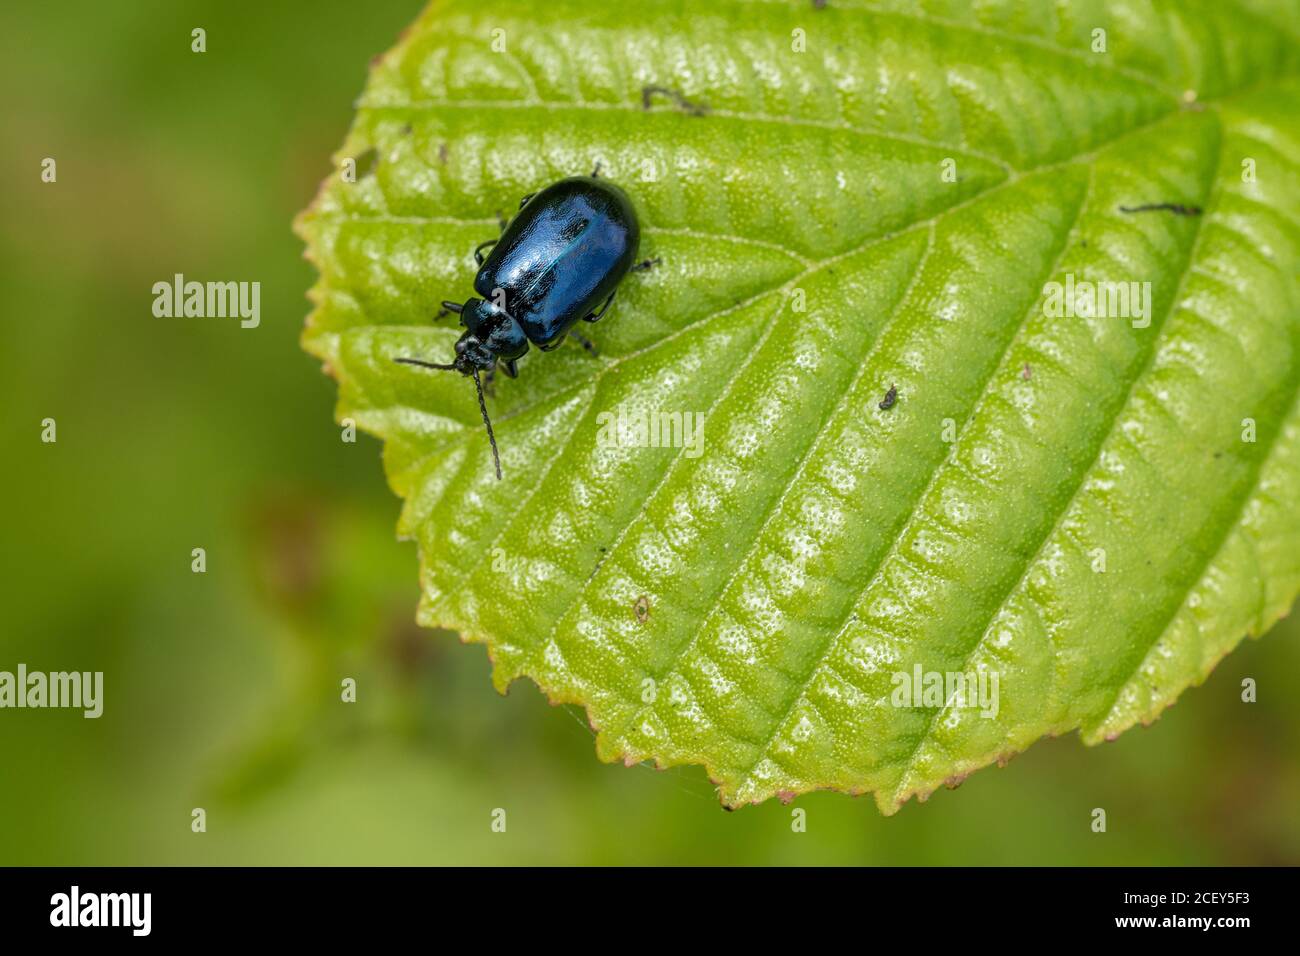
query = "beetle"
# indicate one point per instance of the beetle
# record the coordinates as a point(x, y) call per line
point(558, 261)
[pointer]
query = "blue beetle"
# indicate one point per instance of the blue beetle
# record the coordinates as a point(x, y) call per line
point(559, 260)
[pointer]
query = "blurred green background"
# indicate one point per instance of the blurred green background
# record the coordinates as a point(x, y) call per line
point(222, 689)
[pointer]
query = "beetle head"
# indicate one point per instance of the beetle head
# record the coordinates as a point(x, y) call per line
point(493, 328)
point(472, 355)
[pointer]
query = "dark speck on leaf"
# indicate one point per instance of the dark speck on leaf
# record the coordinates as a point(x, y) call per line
point(648, 93)
point(890, 398)
point(599, 563)
point(1177, 208)
point(442, 153)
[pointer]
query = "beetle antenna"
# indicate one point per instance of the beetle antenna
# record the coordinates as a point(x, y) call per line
point(424, 364)
point(482, 407)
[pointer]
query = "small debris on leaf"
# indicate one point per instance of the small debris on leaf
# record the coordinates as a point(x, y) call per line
point(1177, 208)
point(686, 106)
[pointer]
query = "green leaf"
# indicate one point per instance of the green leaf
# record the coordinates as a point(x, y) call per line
point(1092, 509)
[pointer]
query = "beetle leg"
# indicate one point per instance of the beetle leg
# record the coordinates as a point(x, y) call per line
point(603, 309)
point(488, 380)
point(478, 250)
point(595, 173)
point(645, 264)
point(509, 368)
point(584, 342)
